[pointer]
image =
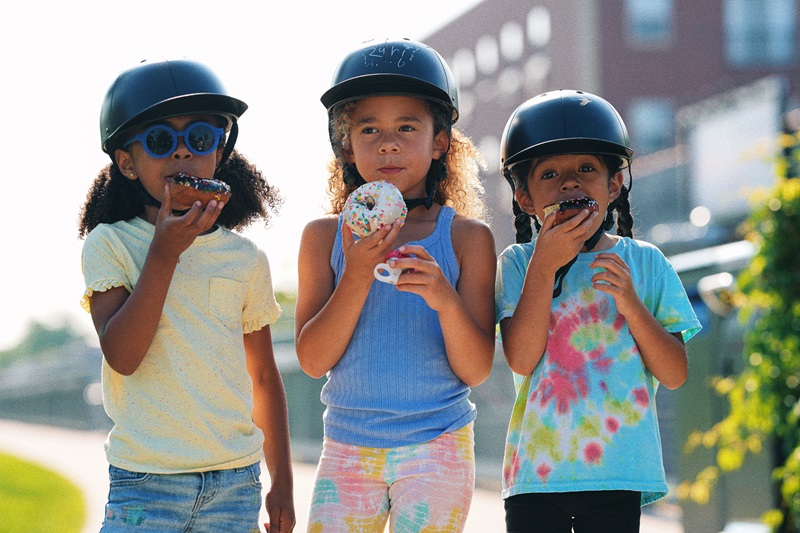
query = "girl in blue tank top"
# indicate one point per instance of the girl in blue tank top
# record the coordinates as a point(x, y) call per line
point(399, 358)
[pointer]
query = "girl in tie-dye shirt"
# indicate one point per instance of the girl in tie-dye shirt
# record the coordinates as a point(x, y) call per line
point(591, 322)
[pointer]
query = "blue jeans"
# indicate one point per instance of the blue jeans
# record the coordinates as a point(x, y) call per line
point(201, 502)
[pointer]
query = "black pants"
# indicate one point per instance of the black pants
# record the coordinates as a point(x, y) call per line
point(607, 511)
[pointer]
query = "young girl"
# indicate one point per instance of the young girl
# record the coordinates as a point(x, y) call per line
point(590, 323)
point(399, 359)
point(182, 308)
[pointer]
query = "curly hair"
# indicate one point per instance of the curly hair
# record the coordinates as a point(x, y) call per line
point(113, 197)
point(461, 189)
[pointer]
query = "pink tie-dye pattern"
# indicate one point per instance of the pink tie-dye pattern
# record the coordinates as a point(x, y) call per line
point(512, 467)
point(593, 453)
point(641, 396)
point(566, 383)
point(543, 470)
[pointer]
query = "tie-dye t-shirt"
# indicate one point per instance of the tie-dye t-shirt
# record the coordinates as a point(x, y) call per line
point(586, 418)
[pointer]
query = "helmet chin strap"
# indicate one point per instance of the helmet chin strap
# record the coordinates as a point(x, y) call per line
point(436, 174)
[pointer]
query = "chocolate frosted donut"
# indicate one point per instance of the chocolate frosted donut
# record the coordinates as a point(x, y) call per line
point(186, 190)
point(569, 208)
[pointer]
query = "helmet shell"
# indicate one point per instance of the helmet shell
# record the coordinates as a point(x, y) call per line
point(564, 122)
point(160, 89)
point(393, 67)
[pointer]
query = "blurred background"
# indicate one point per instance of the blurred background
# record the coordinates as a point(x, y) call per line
point(705, 88)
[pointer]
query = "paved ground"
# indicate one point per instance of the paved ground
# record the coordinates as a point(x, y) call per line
point(79, 456)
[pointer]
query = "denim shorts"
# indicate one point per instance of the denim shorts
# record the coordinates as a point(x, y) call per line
point(199, 502)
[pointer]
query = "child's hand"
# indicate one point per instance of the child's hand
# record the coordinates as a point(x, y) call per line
point(175, 233)
point(557, 245)
point(361, 256)
point(426, 280)
point(615, 279)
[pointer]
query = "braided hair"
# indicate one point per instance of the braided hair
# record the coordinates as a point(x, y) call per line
point(619, 211)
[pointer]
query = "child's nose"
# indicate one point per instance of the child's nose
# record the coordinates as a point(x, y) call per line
point(181, 151)
point(389, 144)
point(570, 181)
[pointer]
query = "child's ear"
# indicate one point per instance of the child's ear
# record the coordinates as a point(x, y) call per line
point(125, 163)
point(525, 202)
point(441, 143)
point(615, 185)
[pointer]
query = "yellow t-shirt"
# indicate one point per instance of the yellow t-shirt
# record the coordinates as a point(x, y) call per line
point(188, 407)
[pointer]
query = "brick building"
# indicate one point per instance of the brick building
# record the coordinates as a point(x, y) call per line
point(649, 58)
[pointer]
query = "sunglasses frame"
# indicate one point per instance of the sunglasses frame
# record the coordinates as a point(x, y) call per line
point(219, 133)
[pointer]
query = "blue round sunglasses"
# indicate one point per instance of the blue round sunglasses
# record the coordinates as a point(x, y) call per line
point(159, 141)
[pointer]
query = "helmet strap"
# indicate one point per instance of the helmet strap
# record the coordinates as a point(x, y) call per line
point(590, 243)
point(351, 176)
point(436, 173)
point(234, 133)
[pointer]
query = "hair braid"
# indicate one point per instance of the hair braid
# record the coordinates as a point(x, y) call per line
point(624, 216)
point(522, 223)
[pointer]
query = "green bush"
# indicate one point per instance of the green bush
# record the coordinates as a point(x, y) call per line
point(763, 398)
point(36, 500)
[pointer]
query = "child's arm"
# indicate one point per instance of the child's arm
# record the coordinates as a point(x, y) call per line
point(663, 352)
point(126, 322)
point(525, 333)
point(466, 312)
point(270, 414)
point(326, 314)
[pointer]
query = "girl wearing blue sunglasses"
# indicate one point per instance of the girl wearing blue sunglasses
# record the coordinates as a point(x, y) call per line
point(189, 375)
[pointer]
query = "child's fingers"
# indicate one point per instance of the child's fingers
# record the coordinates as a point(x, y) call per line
point(166, 203)
point(207, 216)
point(347, 236)
point(416, 250)
point(391, 234)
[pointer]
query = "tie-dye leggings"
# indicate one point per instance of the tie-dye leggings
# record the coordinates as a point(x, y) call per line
point(422, 488)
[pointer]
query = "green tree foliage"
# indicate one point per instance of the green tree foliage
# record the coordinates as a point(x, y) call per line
point(763, 398)
point(39, 339)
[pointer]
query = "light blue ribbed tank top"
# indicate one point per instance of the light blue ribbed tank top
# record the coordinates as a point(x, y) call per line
point(394, 386)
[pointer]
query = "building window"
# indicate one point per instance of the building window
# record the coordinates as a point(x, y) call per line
point(649, 22)
point(487, 54)
point(538, 26)
point(464, 67)
point(512, 41)
point(760, 33)
point(652, 125)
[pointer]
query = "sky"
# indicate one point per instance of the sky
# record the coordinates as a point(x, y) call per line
point(58, 60)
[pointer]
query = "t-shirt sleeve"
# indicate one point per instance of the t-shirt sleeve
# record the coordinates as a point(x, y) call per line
point(260, 306)
point(511, 268)
point(673, 309)
point(102, 264)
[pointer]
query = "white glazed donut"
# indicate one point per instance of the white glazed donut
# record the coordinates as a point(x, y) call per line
point(372, 206)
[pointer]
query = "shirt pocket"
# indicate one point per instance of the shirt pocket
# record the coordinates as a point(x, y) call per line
point(226, 301)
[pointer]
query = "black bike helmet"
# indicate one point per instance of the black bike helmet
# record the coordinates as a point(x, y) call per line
point(161, 89)
point(563, 122)
point(393, 67)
